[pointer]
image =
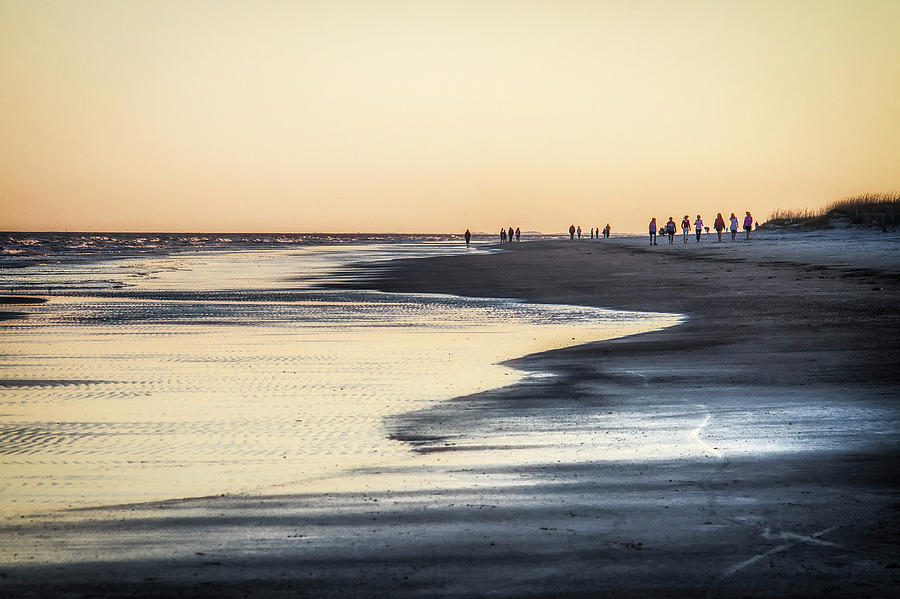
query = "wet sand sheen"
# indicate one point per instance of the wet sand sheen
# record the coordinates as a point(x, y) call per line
point(115, 400)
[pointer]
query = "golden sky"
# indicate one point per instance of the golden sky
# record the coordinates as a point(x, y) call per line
point(192, 115)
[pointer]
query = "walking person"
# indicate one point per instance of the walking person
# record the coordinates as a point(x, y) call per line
point(468, 237)
point(719, 226)
point(671, 227)
point(606, 230)
point(510, 234)
point(579, 231)
point(571, 232)
point(734, 226)
point(698, 227)
point(748, 224)
point(653, 231)
point(685, 227)
point(518, 233)
point(502, 235)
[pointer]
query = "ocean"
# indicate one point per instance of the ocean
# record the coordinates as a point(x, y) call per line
point(180, 365)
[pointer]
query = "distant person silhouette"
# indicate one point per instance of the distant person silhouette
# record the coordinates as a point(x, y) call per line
point(579, 231)
point(653, 231)
point(518, 233)
point(734, 226)
point(748, 224)
point(698, 227)
point(719, 226)
point(468, 237)
point(685, 227)
point(592, 232)
point(671, 227)
point(510, 233)
point(606, 231)
point(571, 232)
point(502, 235)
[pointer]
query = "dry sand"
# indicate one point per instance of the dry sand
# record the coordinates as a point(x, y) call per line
point(790, 338)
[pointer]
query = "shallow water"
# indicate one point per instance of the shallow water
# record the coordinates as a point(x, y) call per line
point(210, 372)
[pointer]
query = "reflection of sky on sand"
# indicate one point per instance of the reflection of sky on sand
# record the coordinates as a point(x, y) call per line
point(511, 452)
point(231, 266)
point(664, 427)
point(669, 428)
point(299, 267)
point(173, 389)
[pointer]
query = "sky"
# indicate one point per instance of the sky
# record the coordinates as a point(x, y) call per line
point(278, 116)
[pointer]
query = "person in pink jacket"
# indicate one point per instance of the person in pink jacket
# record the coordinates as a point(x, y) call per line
point(748, 224)
point(653, 231)
point(719, 226)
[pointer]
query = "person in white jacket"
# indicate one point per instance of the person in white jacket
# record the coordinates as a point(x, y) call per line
point(698, 227)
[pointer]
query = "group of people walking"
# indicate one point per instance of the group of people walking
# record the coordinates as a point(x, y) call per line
point(573, 230)
point(670, 228)
point(507, 236)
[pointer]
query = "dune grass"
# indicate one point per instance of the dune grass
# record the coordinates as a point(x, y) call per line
point(867, 210)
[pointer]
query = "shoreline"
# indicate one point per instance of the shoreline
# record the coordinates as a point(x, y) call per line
point(775, 309)
point(278, 354)
point(793, 335)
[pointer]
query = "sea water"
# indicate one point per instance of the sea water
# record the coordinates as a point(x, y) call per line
point(167, 366)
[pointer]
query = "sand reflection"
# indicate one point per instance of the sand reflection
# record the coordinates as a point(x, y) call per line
point(113, 400)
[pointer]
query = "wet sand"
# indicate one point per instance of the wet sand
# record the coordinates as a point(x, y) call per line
point(17, 300)
point(788, 345)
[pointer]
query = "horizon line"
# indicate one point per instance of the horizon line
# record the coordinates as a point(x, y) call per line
point(113, 232)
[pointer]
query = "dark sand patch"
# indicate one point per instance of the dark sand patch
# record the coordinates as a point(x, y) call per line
point(17, 299)
point(21, 299)
point(49, 382)
point(8, 315)
point(747, 528)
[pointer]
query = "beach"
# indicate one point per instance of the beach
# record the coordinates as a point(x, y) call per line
point(750, 450)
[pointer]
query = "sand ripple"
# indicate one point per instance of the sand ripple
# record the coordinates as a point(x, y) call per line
point(127, 397)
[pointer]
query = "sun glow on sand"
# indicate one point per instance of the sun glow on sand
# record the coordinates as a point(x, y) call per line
point(175, 389)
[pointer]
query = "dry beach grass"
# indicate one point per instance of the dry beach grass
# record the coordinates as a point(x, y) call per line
point(870, 210)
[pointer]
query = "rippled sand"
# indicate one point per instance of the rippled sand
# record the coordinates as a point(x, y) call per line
point(201, 381)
